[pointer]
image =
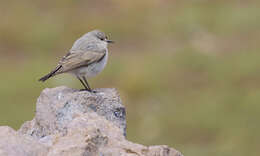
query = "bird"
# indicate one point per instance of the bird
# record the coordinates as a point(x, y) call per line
point(87, 57)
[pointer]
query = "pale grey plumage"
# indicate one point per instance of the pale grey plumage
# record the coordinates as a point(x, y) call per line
point(87, 57)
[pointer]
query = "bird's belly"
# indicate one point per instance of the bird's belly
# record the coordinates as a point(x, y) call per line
point(93, 69)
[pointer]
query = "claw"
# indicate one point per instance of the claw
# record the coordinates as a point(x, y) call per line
point(91, 91)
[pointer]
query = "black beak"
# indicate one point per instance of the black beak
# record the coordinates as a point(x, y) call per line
point(110, 41)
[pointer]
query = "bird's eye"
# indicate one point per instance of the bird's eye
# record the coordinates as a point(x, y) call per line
point(102, 39)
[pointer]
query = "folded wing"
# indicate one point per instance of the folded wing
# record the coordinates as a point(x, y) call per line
point(77, 59)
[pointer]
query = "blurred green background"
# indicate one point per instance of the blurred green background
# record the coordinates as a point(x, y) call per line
point(187, 71)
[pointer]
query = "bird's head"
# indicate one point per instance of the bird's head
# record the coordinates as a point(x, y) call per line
point(99, 35)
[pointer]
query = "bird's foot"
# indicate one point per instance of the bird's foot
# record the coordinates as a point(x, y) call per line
point(91, 91)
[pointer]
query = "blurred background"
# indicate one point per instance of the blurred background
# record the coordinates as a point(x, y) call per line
point(187, 71)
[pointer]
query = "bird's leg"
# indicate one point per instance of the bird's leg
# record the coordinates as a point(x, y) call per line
point(85, 80)
point(85, 86)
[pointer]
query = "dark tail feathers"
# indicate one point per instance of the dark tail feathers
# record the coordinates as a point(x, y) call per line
point(52, 73)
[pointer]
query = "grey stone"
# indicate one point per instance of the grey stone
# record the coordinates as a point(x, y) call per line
point(57, 107)
point(93, 135)
point(69, 122)
point(15, 144)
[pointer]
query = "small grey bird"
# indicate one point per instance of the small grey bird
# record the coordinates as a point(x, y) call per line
point(87, 57)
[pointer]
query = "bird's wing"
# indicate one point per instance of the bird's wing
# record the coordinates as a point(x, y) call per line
point(77, 59)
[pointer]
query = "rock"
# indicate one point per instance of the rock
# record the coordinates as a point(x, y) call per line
point(58, 106)
point(71, 122)
point(15, 144)
point(93, 135)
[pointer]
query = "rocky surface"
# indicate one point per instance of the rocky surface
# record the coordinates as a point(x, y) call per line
point(69, 122)
point(15, 144)
point(57, 107)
